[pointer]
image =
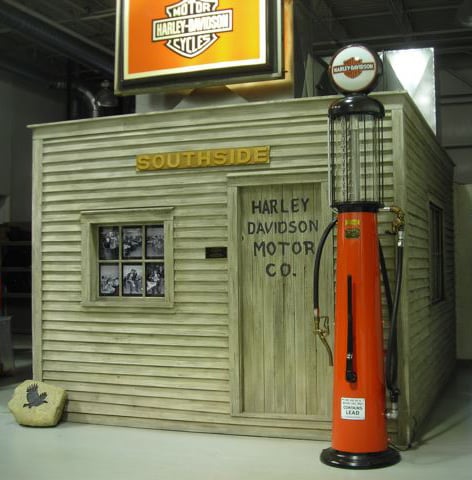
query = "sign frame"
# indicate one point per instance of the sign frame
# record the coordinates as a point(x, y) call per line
point(268, 66)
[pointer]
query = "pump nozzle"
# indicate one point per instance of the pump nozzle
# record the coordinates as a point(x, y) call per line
point(322, 333)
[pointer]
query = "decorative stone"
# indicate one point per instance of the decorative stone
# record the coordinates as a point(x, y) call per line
point(37, 404)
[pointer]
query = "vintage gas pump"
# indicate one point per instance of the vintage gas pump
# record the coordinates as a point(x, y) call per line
point(359, 431)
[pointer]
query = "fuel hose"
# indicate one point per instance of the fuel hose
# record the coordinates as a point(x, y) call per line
point(316, 269)
point(391, 362)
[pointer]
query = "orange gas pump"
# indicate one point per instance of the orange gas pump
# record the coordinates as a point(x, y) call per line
point(359, 430)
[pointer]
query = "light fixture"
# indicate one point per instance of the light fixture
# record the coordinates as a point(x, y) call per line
point(464, 13)
point(105, 97)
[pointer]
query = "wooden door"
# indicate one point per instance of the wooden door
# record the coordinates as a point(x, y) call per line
point(285, 369)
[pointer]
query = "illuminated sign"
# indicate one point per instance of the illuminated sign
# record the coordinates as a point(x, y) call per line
point(355, 69)
point(163, 44)
point(203, 158)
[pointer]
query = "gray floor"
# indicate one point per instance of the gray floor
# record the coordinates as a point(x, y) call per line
point(75, 451)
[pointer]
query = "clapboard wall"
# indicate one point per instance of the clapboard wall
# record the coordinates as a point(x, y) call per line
point(423, 175)
point(171, 368)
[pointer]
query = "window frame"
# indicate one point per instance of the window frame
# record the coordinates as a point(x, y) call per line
point(436, 252)
point(90, 222)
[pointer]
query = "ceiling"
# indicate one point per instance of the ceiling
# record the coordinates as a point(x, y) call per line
point(392, 24)
point(71, 43)
point(51, 40)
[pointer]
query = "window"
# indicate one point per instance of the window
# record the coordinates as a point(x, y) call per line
point(131, 260)
point(127, 258)
point(436, 253)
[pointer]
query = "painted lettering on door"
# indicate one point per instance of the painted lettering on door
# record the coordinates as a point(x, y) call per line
point(265, 223)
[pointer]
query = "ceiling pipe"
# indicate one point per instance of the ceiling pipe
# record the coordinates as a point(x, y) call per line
point(38, 28)
point(98, 104)
point(90, 99)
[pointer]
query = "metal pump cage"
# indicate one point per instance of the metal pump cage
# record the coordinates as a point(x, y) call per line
point(356, 152)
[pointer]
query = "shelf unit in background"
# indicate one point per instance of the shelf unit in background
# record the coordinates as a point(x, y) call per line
point(15, 274)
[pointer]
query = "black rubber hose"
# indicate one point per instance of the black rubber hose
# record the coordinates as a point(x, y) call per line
point(386, 281)
point(316, 269)
point(392, 347)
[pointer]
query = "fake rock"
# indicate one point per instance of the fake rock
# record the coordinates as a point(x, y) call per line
point(37, 404)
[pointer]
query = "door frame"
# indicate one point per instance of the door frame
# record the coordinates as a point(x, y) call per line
point(236, 182)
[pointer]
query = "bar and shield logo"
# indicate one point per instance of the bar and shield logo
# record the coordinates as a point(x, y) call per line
point(192, 26)
point(353, 67)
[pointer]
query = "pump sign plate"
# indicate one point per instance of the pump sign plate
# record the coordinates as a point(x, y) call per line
point(181, 43)
point(352, 408)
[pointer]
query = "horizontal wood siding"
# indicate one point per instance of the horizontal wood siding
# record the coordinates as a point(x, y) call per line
point(164, 368)
point(169, 368)
point(430, 350)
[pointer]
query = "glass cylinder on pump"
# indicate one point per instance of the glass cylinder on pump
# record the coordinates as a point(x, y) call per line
point(356, 152)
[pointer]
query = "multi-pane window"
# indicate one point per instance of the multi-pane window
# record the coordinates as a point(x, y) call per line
point(127, 258)
point(436, 253)
point(131, 260)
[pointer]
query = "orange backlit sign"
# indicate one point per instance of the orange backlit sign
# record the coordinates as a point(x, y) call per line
point(164, 42)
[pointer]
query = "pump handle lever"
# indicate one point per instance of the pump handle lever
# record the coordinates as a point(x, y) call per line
point(351, 375)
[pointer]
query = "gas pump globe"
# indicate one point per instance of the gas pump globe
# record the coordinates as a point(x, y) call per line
point(359, 428)
point(356, 151)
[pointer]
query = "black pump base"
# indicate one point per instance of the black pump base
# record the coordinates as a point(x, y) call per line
point(336, 458)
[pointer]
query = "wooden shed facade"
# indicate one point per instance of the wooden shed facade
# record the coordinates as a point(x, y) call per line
point(216, 333)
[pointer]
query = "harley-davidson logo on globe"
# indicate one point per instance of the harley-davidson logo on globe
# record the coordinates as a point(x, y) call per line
point(353, 67)
point(192, 26)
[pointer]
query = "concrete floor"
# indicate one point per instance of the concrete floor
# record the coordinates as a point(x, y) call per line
point(75, 451)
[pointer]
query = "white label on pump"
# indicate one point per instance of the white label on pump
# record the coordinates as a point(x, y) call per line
point(352, 408)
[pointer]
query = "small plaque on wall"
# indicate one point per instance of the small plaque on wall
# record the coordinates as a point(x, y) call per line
point(216, 252)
